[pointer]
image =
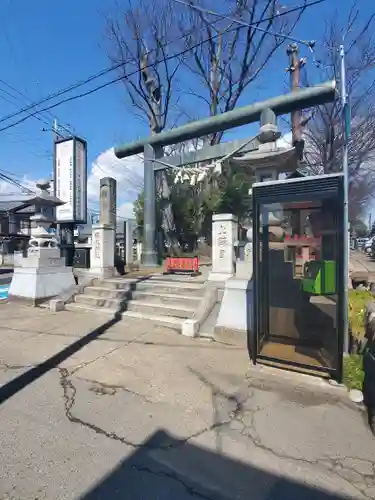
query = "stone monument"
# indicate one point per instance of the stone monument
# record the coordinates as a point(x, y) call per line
point(244, 265)
point(224, 236)
point(42, 274)
point(236, 311)
point(108, 201)
point(103, 248)
point(236, 307)
point(129, 226)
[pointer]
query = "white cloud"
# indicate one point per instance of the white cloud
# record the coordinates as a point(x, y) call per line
point(128, 173)
point(285, 141)
point(126, 210)
point(9, 191)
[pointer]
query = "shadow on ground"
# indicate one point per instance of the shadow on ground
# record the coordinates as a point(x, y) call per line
point(22, 381)
point(19, 383)
point(165, 468)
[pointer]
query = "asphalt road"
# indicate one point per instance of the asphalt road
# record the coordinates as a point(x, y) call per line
point(92, 408)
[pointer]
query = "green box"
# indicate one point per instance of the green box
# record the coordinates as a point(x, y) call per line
point(319, 277)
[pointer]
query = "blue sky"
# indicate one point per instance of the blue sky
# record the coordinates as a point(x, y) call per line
point(48, 45)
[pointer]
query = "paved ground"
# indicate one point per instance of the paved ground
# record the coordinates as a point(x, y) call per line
point(361, 265)
point(99, 411)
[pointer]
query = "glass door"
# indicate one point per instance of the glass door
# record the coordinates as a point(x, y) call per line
point(297, 277)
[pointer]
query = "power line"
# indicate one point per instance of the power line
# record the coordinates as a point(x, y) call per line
point(12, 181)
point(310, 44)
point(116, 80)
point(89, 79)
point(27, 99)
point(251, 25)
point(14, 103)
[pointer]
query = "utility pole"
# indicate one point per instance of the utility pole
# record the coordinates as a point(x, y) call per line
point(294, 69)
point(346, 134)
point(54, 130)
point(55, 137)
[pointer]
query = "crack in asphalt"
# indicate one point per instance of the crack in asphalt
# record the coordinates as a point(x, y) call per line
point(7, 367)
point(69, 396)
point(336, 465)
point(174, 477)
point(332, 463)
point(104, 389)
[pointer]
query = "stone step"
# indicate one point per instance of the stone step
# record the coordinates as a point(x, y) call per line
point(113, 283)
point(99, 302)
point(178, 311)
point(168, 321)
point(159, 297)
point(177, 278)
point(105, 292)
point(85, 308)
point(170, 287)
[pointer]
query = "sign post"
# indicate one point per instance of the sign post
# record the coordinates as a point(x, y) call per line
point(70, 175)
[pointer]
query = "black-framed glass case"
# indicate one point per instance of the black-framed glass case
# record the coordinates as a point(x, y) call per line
point(298, 273)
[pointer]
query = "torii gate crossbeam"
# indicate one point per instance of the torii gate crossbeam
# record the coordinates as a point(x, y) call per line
point(152, 146)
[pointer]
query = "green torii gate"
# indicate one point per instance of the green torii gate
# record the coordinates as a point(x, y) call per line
point(151, 146)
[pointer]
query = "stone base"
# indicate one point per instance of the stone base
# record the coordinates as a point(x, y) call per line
point(219, 277)
point(29, 301)
point(231, 336)
point(236, 309)
point(103, 272)
point(244, 270)
point(36, 285)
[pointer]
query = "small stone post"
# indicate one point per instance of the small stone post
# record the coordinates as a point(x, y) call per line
point(224, 236)
point(104, 234)
point(129, 254)
point(244, 268)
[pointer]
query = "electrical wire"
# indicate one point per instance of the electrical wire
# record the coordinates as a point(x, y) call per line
point(310, 44)
point(15, 104)
point(91, 78)
point(24, 96)
point(96, 211)
point(12, 181)
point(116, 80)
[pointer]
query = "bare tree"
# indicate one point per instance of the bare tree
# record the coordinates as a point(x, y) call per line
point(324, 133)
point(231, 58)
point(139, 40)
point(140, 46)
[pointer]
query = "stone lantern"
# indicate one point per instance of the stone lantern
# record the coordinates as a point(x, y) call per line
point(44, 203)
point(42, 274)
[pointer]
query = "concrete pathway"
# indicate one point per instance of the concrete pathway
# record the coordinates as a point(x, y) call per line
point(93, 408)
point(361, 266)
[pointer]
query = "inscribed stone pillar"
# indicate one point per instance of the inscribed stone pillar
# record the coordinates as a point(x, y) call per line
point(108, 201)
point(244, 268)
point(102, 256)
point(128, 244)
point(104, 234)
point(108, 204)
point(224, 235)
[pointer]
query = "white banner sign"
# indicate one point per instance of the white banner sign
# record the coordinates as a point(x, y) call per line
point(80, 181)
point(71, 180)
